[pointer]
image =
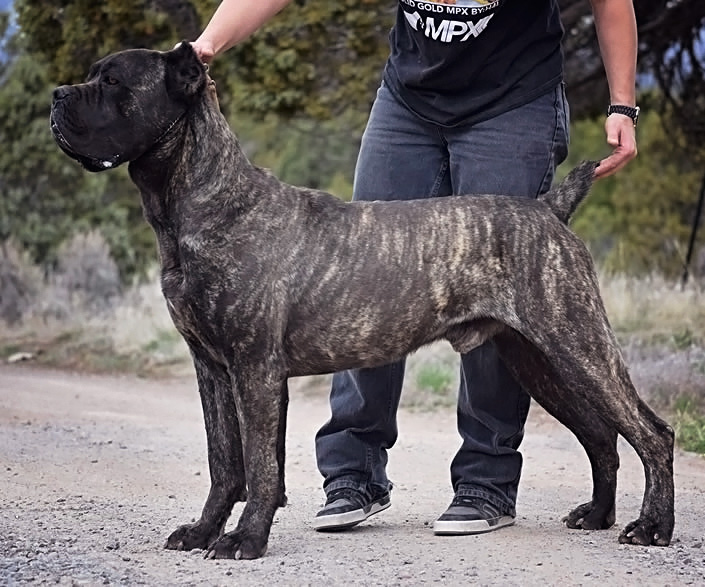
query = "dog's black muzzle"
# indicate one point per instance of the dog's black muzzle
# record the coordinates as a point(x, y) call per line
point(60, 112)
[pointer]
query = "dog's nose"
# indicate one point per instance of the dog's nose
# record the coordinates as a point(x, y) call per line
point(60, 93)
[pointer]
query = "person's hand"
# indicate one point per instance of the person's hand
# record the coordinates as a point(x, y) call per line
point(621, 135)
point(204, 49)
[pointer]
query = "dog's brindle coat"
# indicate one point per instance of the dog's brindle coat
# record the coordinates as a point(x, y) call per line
point(266, 281)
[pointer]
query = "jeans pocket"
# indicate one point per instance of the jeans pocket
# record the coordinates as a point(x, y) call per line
point(562, 137)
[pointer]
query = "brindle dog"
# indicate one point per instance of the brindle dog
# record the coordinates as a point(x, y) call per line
point(267, 281)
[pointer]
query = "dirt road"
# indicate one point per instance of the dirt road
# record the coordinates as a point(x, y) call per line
point(97, 471)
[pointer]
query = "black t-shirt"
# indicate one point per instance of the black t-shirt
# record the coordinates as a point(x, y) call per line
point(463, 61)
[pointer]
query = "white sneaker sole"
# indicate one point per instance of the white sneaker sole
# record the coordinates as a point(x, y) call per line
point(460, 528)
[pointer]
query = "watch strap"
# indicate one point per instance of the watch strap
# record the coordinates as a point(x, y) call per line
point(630, 111)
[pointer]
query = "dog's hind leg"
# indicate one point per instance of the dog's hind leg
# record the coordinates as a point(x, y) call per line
point(224, 458)
point(593, 375)
point(653, 440)
point(530, 366)
point(262, 406)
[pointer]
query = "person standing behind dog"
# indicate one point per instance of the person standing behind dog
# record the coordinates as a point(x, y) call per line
point(471, 101)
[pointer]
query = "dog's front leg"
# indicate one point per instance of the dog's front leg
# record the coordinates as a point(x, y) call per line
point(262, 407)
point(224, 458)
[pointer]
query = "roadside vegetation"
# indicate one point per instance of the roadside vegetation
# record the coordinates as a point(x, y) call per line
point(78, 285)
point(80, 316)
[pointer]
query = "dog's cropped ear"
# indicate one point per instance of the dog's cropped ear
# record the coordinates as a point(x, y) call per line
point(186, 74)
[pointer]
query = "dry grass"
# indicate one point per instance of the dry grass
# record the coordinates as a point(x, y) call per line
point(81, 304)
point(135, 335)
point(654, 310)
point(79, 317)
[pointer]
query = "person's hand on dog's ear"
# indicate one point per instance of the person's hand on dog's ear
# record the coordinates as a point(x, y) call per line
point(621, 134)
point(204, 49)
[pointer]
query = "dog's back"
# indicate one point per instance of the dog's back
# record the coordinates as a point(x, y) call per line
point(564, 198)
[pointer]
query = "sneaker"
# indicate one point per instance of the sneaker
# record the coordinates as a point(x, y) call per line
point(347, 507)
point(471, 515)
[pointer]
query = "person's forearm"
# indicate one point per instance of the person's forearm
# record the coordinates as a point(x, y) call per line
point(616, 32)
point(235, 20)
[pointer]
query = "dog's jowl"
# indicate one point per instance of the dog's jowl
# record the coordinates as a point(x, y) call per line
point(266, 281)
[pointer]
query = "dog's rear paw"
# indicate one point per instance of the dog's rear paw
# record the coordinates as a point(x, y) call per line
point(588, 516)
point(645, 533)
point(237, 545)
point(192, 536)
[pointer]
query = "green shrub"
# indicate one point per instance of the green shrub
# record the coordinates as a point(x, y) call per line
point(435, 378)
point(689, 424)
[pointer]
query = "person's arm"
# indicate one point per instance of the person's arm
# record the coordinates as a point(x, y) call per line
point(233, 21)
point(616, 32)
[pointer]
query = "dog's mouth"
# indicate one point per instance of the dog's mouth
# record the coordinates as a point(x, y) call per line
point(89, 163)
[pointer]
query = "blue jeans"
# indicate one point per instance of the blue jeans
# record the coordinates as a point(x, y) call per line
point(403, 157)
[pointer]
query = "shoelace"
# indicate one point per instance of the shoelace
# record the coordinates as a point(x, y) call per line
point(475, 502)
point(346, 493)
point(357, 497)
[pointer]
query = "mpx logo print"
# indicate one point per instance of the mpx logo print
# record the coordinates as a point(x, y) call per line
point(439, 20)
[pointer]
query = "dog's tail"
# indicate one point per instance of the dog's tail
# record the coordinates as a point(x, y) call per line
point(564, 198)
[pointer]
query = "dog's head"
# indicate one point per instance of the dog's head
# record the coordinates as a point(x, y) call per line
point(128, 102)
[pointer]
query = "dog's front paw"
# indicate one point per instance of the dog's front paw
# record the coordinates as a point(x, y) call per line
point(590, 517)
point(645, 533)
point(237, 545)
point(192, 536)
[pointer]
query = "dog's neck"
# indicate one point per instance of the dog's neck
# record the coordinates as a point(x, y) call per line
point(180, 178)
point(160, 173)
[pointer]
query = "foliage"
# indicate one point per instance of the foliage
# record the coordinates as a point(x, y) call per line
point(316, 59)
point(46, 197)
point(318, 155)
point(323, 58)
point(302, 87)
point(655, 310)
point(435, 378)
point(4, 27)
point(86, 272)
point(69, 35)
point(639, 220)
point(20, 283)
point(319, 58)
point(689, 424)
point(669, 58)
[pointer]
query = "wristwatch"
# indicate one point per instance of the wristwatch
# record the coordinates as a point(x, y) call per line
point(630, 111)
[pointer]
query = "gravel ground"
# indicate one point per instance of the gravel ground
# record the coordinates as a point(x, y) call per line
point(97, 471)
